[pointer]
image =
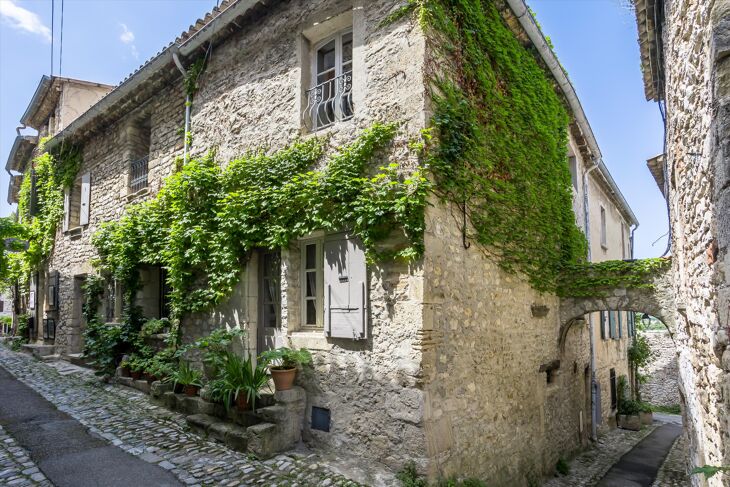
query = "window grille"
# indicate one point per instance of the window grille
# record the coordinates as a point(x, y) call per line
point(138, 178)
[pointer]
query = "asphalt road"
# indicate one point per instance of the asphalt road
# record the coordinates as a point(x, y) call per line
point(639, 467)
point(62, 447)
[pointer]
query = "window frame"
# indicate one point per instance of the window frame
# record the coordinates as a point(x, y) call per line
point(318, 297)
point(314, 73)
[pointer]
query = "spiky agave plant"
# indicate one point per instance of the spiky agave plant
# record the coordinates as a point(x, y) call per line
point(238, 375)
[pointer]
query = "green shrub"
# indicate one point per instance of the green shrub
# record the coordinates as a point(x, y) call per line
point(562, 467)
point(185, 375)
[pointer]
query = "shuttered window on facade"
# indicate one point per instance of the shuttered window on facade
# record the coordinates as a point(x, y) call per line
point(603, 324)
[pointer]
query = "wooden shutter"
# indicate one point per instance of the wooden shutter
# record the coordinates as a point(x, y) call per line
point(66, 209)
point(612, 324)
point(603, 324)
point(345, 289)
point(85, 199)
point(33, 204)
point(620, 324)
point(52, 290)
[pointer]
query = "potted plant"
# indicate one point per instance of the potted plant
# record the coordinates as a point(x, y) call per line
point(189, 378)
point(645, 414)
point(124, 368)
point(239, 382)
point(136, 367)
point(283, 363)
point(214, 348)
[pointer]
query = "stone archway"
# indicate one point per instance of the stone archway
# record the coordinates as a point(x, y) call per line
point(656, 298)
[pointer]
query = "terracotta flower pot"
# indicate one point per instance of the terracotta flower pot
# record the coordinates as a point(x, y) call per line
point(190, 390)
point(283, 378)
point(242, 402)
point(136, 375)
point(124, 372)
point(151, 378)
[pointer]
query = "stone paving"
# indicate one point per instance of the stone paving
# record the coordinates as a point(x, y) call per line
point(128, 420)
point(16, 467)
point(673, 472)
point(590, 466)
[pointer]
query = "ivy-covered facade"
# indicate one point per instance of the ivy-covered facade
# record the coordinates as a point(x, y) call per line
point(387, 184)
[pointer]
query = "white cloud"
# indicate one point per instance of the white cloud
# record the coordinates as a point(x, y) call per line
point(127, 37)
point(20, 18)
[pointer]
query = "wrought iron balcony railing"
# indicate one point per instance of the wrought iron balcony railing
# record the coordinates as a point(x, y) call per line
point(329, 102)
point(138, 179)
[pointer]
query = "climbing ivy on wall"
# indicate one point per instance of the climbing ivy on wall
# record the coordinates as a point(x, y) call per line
point(40, 208)
point(499, 151)
point(592, 279)
point(206, 220)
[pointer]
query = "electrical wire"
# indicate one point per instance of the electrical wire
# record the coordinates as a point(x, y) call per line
point(53, 16)
point(60, 60)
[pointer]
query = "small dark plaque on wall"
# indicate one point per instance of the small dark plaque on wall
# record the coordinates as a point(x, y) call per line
point(539, 310)
point(320, 419)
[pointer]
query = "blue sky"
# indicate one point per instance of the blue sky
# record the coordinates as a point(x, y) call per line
point(106, 40)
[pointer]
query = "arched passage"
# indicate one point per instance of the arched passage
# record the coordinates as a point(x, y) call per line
point(655, 298)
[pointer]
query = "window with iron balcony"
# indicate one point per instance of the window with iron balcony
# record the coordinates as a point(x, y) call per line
point(329, 99)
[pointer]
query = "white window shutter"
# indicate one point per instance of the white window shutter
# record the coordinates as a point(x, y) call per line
point(85, 199)
point(66, 208)
point(345, 289)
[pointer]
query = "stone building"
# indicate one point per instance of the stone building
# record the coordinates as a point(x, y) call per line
point(685, 47)
point(448, 361)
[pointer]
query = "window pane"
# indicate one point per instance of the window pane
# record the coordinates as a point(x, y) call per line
point(270, 316)
point(311, 259)
point(311, 284)
point(311, 312)
point(326, 57)
point(346, 48)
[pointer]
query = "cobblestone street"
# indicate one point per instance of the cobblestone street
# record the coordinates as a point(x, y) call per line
point(126, 419)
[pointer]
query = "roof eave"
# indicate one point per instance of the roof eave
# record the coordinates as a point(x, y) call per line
point(21, 150)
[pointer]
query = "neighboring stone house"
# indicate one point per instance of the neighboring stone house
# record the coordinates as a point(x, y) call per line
point(449, 361)
point(685, 53)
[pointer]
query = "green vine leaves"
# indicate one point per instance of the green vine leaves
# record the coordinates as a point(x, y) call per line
point(206, 220)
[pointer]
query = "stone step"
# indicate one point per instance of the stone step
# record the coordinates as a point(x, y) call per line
point(77, 359)
point(140, 385)
point(50, 358)
point(260, 439)
point(38, 350)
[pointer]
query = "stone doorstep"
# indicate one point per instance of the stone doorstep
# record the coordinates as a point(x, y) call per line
point(260, 439)
point(49, 358)
point(140, 385)
point(38, 350)
point(76, 359)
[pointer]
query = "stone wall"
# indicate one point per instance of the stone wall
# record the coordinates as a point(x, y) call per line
point(697, 71)
point(490, 410)
point(661, 387)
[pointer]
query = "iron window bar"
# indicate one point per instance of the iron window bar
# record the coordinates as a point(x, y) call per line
point(329, 102)
point(49, 329)
point(139, 169)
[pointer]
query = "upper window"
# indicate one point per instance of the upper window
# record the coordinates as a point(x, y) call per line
point(573, 166)
point(604, 239)
point(139, 146)
point(76, 203)
point(329, 99)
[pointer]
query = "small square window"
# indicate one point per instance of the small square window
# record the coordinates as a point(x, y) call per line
point(321, 419)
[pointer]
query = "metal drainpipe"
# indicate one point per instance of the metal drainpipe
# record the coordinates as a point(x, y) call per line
point(187, 107)
point(594, 382)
